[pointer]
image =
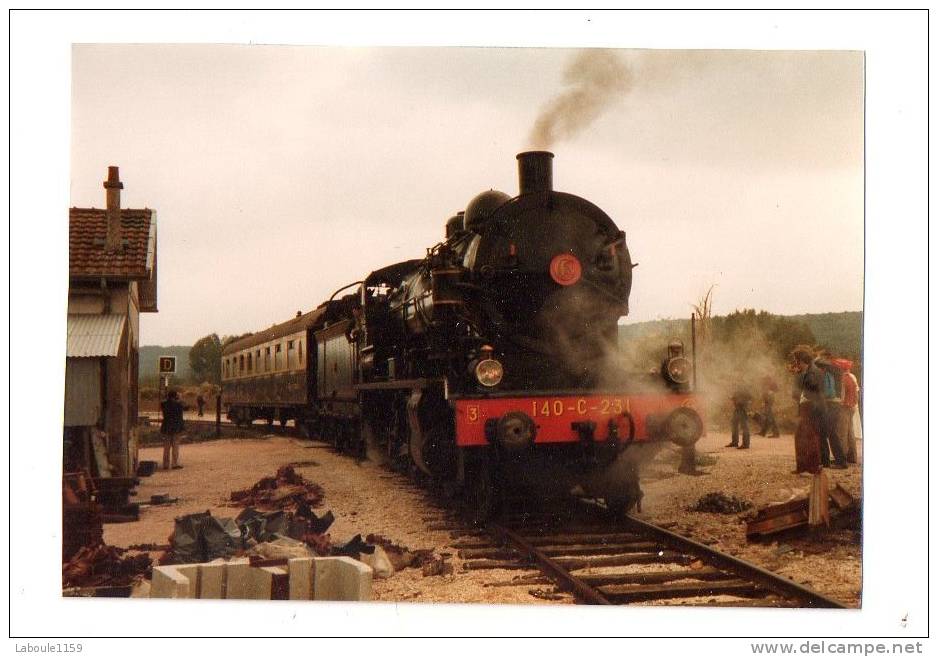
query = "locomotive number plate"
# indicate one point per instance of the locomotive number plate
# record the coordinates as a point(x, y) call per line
point(581, 406)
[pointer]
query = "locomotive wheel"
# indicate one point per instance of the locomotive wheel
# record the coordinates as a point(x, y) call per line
point(620, 506)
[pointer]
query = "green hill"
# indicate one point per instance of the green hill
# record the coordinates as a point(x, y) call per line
point(842, 333)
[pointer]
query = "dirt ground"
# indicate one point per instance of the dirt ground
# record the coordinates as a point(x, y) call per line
point(366, 498)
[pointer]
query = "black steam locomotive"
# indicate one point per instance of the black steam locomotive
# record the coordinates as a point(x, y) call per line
point(489, 363)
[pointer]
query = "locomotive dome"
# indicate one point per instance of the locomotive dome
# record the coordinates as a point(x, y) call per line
point(482, 207)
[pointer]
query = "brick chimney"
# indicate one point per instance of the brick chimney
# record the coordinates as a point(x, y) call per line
point(113, 185)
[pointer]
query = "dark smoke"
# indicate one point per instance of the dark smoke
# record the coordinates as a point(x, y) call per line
point(594, 79)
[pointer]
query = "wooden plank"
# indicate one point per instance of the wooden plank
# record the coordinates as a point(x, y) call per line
point(690, 590)
point(777, 603)
point(498, 553)
point(841, 498)
point(782, 509)
point(489, 564)
point(580, 539)
point(778, 524)
point(655, 577)
point(666, 556)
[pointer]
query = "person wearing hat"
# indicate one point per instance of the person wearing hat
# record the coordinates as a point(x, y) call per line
point(172, 426)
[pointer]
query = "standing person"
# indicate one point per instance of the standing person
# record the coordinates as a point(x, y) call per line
point(769, 388)
point(200, 402)
point(832, 439)
point(172, 426)
point(809, 396)
point(851, 401)
point(741, 400)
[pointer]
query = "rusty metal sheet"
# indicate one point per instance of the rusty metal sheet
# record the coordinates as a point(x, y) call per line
point(94, 336)
point(83, 397)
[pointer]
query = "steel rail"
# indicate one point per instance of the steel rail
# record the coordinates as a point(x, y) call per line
point(551, 568)
point(775, 583)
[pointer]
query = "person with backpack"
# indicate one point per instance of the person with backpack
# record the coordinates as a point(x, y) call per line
point(831, 439)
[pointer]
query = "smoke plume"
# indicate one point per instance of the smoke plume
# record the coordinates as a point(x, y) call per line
point(593, 80)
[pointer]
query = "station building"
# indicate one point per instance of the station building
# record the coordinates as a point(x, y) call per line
point(112, 279)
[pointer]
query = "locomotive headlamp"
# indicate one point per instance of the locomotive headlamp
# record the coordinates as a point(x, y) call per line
point(679, 369)
point(489, 372)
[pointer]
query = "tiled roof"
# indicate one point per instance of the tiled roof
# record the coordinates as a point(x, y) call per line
point(87, 255)
point(94, 335)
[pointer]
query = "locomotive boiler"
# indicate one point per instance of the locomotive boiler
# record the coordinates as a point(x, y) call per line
point(490, 364)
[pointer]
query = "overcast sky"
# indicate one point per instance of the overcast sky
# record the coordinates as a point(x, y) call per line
point(280, 174)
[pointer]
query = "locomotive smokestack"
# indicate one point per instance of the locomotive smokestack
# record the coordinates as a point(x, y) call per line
point(535, 172)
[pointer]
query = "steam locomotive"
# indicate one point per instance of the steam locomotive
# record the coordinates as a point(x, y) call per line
point(487, 365)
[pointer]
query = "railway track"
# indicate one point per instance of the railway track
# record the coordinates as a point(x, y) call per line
point(606, 562)
point(582, 552)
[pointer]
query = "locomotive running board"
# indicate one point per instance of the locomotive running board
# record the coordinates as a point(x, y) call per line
point(402, 384)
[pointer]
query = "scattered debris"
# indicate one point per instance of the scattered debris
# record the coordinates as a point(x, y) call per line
point(545, 594)
point(436, 566)
point(81, 516)
point(284, 490)
point(379, 562)
point(353, 547)
point(794, 514)
point(200, 538)
point(103, 565)
point(720, 503)
point(280, 548)
point(149, 547)
point(146, 468)
point(401, 557)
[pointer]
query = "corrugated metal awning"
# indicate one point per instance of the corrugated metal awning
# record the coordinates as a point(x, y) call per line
point(91, 336)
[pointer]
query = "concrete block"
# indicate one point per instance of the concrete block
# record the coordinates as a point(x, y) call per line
point(239, 580)
point(301, 579)
point(341, 579)
point(212, 580)
point(168, 583)
point(191, 572)
point(262, 583)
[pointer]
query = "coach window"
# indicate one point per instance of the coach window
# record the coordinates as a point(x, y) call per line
point(250, 364)
point(266, 359)
point(299, 344)
point(291, 354)
point(278, 357)
point(257, 360)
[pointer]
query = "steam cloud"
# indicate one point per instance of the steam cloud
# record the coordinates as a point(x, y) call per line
point(594, 79)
